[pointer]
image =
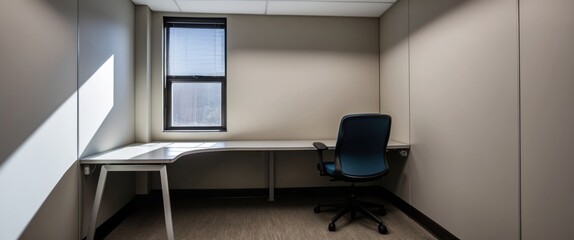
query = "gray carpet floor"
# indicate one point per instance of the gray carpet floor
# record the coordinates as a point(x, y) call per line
point(257, 218)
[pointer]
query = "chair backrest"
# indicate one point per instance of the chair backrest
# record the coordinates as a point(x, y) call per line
point(361, 146)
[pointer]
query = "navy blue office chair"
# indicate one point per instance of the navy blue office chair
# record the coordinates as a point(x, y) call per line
point(359, 157)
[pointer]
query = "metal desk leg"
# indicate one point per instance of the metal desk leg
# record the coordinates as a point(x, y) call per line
point(166, 203)
point(97, 201)
point(162, 169)
point(271, 159)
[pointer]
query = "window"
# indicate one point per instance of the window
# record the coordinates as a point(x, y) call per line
point(195, 67)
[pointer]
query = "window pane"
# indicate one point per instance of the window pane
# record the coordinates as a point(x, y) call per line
point(196, 52)
point(196, 104)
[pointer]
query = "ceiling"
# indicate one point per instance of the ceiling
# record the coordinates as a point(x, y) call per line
point(342, 8)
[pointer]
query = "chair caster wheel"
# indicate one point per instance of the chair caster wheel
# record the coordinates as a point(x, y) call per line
point(383, 229)
point(382, 211)
point(317, 209)
point(332, 227)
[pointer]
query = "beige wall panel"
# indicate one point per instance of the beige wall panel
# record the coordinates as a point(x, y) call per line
point(106, 75)
point(464, 116)
point(142, 74)
point(288, 77)
point(38, 112)
point(394, 73)
point(547, 94)
point(394, 90)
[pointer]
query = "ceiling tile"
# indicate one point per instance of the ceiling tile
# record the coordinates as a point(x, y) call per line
point(224, 6)
point(159, 5)
point(327, 8)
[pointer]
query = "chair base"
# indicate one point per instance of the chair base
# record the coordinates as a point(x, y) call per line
point(353, 206)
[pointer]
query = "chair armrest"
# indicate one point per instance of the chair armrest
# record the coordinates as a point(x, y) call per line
point(320, 146)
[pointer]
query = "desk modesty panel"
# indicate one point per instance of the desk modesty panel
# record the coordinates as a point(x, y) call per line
point(169, 152)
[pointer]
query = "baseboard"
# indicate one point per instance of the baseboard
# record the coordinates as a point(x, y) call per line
point(426, 222)
point(215, 193)
point(264, 192)
point(434, 228)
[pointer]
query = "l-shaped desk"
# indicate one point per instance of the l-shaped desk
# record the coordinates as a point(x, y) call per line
point(145, 157)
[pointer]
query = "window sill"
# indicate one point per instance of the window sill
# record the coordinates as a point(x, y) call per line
point(194, 130)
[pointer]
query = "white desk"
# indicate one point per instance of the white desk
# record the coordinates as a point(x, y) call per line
point(155, 156)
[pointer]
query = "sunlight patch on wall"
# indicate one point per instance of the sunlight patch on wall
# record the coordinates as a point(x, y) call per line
point(96, 102)
point(28, 176)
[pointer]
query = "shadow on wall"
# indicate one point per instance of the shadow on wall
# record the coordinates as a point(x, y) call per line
point(54, 141)
point(42, 89)
point(40, 137)
point(62, 201)
point(96, 102)
point(396, 177)
point(38, 70)
point(37, 105)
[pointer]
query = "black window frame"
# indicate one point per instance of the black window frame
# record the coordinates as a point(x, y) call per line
point(192, 22)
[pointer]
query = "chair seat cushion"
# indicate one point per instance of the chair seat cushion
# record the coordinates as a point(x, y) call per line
point(329, 168)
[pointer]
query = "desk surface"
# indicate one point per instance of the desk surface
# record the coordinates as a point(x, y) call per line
point(169, 152)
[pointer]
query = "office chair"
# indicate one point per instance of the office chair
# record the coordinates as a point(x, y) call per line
point(359, 157)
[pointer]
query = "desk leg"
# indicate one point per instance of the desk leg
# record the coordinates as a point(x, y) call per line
point(271, 159)
point(166, 202)
point(97, 201)
point(162, 169)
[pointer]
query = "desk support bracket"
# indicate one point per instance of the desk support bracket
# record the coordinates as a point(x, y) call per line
point(132, 168)
point(88, 169)
point(271, 159)
point(404, 152)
